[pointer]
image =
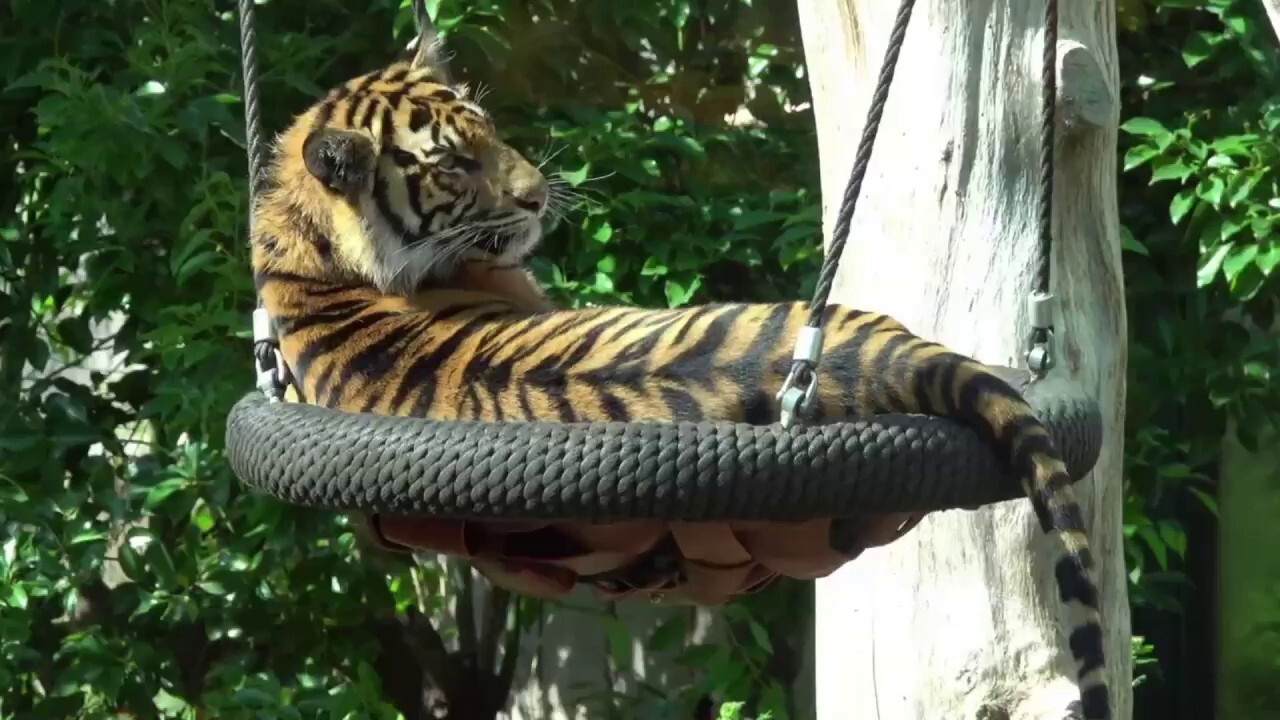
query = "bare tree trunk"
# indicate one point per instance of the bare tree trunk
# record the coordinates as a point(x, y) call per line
point(1273, 12)
point(959, 619)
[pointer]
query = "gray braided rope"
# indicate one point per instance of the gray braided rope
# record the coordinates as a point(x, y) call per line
point(252, 116)
point(862, 158)
point(1048, 127)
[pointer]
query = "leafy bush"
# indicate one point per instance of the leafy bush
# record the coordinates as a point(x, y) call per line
point(1200, 203)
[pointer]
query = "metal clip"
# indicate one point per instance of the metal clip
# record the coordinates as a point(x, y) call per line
point(1041, 307)
point(801, 386)
point(273, 377)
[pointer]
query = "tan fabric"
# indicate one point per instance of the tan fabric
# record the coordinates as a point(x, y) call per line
point(706, 563)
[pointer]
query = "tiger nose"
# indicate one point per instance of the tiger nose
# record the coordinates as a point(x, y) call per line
point(531, 196)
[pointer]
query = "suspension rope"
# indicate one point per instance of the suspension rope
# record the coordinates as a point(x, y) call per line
point(252, 117)
point(1048, 103)
point(272, 373)
point(800, 388)
point(853, 189)
point(1041, 304)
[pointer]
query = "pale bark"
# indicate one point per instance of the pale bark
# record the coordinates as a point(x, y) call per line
point(1273, 12)
point(959, 619)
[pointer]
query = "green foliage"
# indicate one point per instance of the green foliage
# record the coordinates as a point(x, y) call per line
point(138, 576)
point(1200, 204)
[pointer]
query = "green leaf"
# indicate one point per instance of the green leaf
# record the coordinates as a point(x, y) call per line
point(1145, 127)
point(1239, 145)
point(678, 293)
point(213, 588)
point(89, 536)
point(761, 636)
point(162, 490)
point(1132, 244)
point(1158, 548)
point(1174, 538)
point(1172, 171)
point(1269, 259)
point(1239, 257)
point(1181, 205)
point(1209, 268)
point(1210, 190)
point(576, 177)
point(1139, 155)
point(731, 710)
point(603, 233)
point(202, 516)
point(619, 642)
point(653, 268)
point(1198, 48)
point(170, 704)
point(17, 597)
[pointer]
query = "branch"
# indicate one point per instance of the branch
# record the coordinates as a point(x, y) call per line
point(466, 613)
point(511, 652)
point(495, 621)
point(428, 647)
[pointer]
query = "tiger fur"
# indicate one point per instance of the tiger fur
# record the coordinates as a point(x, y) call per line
point(381, 192)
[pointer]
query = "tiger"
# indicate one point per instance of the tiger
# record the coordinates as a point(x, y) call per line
point(396, 183)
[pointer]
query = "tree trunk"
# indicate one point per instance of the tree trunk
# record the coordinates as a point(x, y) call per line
point(959, 619)
point(1273, 13)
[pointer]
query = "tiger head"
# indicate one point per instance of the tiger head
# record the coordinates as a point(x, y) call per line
point(396, 178)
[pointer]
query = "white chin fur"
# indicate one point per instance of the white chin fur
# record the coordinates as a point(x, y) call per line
point(421, 264)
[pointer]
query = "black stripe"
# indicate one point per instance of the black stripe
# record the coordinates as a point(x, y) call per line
point(383, 201)
point(388, 124)
point(1095, 702)
point(850, 351)
point(882, 373)
point(680, 404)
point(1073, 584)
point(353, 108)
point(421, 375)
point(376, 359)
point(337, 312)
point(947, 384)
point(413, 188)
point(1068, 517)
point(691, 320)
point(1086, 647)
point(556, 394)
point(926, 379)
point(419, 117)
point(366, 116)
point(638, 318)
point(525, 405)
point(327, 390)
point(474, 397)
point(337, 337)
point(696, 363)
point(757, 409)
point(614, 409)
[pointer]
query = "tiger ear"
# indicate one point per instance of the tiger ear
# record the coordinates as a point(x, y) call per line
point(343, 160)
point(429, 52)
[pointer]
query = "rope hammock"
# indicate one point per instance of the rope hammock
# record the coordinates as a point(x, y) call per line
point(689, 471)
